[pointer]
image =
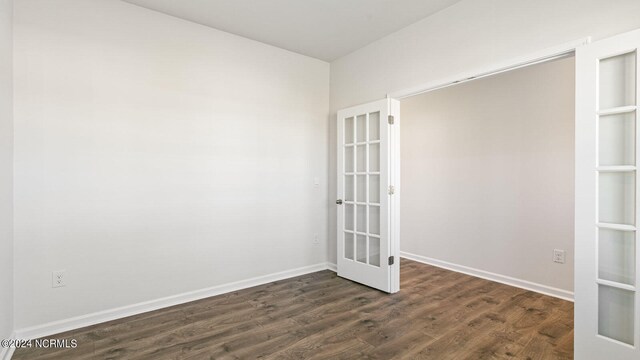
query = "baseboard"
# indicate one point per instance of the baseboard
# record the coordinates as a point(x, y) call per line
point(7, 353)
point(333, 267)
point(523, 284)
point(135, 309)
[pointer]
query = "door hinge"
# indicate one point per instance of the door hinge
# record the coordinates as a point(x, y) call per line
point(391, 119)
point(391, 260)
point(392, 189)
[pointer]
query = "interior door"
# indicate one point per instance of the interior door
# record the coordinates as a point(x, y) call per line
point(368, 194)
point(607, 303)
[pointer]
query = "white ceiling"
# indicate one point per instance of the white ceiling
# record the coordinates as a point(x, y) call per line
point(323, 29)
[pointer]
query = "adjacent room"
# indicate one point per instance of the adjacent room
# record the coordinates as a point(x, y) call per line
point(487, 176)
point(410, 179)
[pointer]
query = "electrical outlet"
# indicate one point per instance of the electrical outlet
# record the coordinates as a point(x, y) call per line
point(58, 279)
point(558, 256)
point(316, 240)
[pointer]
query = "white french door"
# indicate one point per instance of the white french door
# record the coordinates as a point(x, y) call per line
point(607, 301)
point(368, 194)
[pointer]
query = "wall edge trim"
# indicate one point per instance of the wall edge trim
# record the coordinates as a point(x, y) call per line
point(7, 353)
point(503, 279)
point(77, 322)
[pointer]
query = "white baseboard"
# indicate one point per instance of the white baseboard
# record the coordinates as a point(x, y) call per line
point(135, 309)
point(333, 267)
point(7, 353)
point(523, 284)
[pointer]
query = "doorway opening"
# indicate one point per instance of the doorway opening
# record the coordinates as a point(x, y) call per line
point(488, 177)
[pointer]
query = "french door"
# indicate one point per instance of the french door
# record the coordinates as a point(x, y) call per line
point(607, 302)
point(368, 194)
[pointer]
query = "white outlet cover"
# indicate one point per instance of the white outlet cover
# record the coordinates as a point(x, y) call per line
point(559, 256)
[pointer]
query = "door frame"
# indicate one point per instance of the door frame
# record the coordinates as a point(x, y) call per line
point(394, 201)
point(549, 54)
point(557, 52)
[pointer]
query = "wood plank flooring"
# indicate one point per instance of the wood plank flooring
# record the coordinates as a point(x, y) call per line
point(438, 314)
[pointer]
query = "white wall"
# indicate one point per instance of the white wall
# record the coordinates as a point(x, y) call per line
point(154, 156)
point(469, 35)
point(488, 173)
point(6, 170)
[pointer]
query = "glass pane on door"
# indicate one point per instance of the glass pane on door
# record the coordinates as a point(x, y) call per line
point(361, 158)
point(361, 217)
point(361, 185)
point(374, 220)
point(374, 251)
point(361, 128)
point(348, 217)
point(348, 188)
point(374, 157)
point(348, 131)
point(616, 256)
point(617, 197)
point(361, 188)
point(374, 126)
point(617, 81)
point(361, 248)
point(348, 159)
point(348, 245)
point(616, 313)
point(374, 189)
point(616, 139)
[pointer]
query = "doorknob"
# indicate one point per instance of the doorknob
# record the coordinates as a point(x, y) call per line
point(339, 201)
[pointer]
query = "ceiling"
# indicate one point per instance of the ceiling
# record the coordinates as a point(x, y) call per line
point(323, 29)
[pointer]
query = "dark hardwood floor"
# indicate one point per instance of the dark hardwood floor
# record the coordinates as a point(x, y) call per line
point(438, 314)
